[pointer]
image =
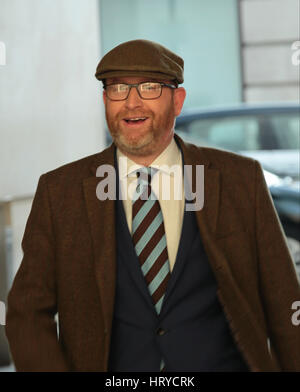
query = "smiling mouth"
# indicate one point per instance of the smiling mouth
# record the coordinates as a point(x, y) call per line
point(135, 120)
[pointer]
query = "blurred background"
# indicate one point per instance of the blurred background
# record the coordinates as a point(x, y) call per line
point(241, 76)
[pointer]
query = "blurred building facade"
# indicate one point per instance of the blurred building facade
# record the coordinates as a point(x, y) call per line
point(270, 39)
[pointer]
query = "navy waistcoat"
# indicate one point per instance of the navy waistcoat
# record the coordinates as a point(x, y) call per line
point(191, 333)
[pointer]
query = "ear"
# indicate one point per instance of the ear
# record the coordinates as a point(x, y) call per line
point(104, 97)
point(179, 97)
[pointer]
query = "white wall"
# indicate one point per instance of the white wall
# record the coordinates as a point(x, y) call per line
point(51, 111)
point(50, 108)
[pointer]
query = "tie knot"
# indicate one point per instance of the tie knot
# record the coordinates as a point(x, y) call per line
point(144, 175)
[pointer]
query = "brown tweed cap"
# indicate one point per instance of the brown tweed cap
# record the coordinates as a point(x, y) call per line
point(141, 58)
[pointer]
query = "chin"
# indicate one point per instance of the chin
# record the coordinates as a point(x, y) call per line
point(135, 146)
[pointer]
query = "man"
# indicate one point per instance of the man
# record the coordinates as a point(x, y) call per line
point(141, 283)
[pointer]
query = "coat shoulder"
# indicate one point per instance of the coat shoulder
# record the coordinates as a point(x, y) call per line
point(82, 168)
point(221, 159)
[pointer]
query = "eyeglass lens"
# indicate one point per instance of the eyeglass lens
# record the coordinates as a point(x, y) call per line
point(147, 90)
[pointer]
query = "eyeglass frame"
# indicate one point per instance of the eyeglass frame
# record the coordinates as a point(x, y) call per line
point(136, 85)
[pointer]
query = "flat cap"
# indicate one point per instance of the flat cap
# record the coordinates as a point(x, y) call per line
point(141, 58)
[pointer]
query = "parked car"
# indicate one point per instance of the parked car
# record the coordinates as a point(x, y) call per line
point(268, 133)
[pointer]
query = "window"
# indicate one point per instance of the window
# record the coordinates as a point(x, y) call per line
point(287, 130)
point(235, 134)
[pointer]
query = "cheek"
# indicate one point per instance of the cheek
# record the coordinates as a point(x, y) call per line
point(111, 112)
point(161, 111)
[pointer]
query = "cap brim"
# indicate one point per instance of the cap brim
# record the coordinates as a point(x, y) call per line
point(150, 74)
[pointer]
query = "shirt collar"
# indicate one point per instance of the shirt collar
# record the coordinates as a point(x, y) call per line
point(170, 156)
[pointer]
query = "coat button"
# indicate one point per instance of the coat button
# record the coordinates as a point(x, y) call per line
point(160, 331)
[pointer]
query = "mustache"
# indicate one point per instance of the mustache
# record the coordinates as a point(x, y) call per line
point(128, 114)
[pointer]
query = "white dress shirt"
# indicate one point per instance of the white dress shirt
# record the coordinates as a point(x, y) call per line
point(166, 184)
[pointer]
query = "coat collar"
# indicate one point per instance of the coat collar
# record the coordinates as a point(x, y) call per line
point(101, 215)
point(192, 156)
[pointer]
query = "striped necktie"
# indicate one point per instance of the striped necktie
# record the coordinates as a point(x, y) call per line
point(149, 239)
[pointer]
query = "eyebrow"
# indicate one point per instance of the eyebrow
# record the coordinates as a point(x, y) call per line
point(115, 81)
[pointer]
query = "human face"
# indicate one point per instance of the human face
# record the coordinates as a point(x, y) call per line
point(148, 137)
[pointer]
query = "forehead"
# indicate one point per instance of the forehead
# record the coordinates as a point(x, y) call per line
point(132, 80)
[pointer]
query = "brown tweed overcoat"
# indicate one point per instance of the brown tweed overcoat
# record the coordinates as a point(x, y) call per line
point(69, 267)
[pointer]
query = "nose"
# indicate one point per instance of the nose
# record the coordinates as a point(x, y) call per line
point(133, 100)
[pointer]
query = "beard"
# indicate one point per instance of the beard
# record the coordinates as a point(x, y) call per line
point(146, 141)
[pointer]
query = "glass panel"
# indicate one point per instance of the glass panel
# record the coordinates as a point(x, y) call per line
point(287, 130)
point(246, 133)
point(235, 134)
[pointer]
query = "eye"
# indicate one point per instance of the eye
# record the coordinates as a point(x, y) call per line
point(122, 87)
point(150, 86)
point(117, 88)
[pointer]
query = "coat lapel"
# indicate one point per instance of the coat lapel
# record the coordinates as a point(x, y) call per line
point(101, 215)
point(207, 217)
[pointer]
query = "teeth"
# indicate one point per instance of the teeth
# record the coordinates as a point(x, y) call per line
point(137, 119)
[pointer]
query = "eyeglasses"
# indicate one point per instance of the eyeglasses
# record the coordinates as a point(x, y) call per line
point(146, 90)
